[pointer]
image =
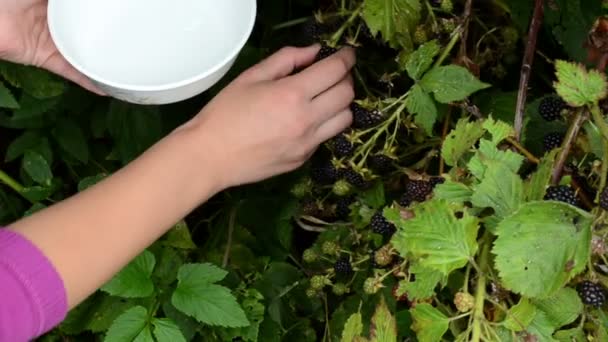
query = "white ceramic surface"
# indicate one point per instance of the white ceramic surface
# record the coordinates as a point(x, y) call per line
point(151, 51)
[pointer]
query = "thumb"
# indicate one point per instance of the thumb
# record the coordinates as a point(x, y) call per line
point(284, 62)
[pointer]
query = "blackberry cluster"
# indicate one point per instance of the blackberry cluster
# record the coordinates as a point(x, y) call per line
point(562, 193)
point(342, 146)
point(381, 163)
point(552, 141)
point(604, 199)
point(353, 177)
point(591, 293)
point(364, 118)
point(550, 108)
point(381, 225)
point(343, 207)
point(418, 190)
point(325, 52)
point(323, 172)
point(343, 266)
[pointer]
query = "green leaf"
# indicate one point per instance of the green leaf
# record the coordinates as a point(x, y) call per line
point(26, 141)
point(570, 335)
point(460, 140)
point(353, 328)
point(395, 19)
point(133, 281)
point(562, 308)
point(488, 152)
point(441, 241)
point(35, 81)
point(451, 83)
point(423, 107)
point(578, 86)
point(374, 196)
point(500, 189)
point(37, 167)
point(179, 237)
point(498, 129)
point(541, 247)
point(594, 138)
point(37, 193)
point(538, 182)
point(130, 326)
point(197, 296)
point(6, 98)
point(423, 286)
point(422, 59)
point(383, 327)
point(166, 331)
point(71, 138)
point(453, 192)
point(520, 315)
point(429, 323)
point(88, 182)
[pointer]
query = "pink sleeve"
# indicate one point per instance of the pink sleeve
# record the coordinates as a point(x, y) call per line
point(32, 295)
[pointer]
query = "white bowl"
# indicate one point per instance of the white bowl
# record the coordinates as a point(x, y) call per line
point(151, 51)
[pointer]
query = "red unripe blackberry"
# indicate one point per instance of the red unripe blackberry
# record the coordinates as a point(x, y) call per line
point(552, 141)
point(550, 108)
point(381, 225)
point(342, 146)
point(418, 190)
point(591, 293)
point(562, 193)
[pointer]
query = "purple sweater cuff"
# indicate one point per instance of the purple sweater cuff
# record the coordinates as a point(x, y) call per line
point(32, 294)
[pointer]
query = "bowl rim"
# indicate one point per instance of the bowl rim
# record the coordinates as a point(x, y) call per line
point(151, 88)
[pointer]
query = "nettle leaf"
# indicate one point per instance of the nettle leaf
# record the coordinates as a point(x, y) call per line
point(429, 323)
point(423, 286)
point(71, 138)
point(383, 327)
point(498, 129)
point(394, 19)
point(436, 237)
point(451, 83)
point(37, 167)
point(541, 247)
point(500, 189)
point(421, 60)
point(165, 330)
point(419, 103)
point(520, 315)
point(197, 295)
point(7, 100)
point(133, 281)
point(579, 86)
point(460, 140)
point(132, 325)
point(537, 184)
point(353, 328)
point(453, 192)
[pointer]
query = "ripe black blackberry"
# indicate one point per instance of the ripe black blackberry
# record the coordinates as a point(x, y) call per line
point(342, 146)
point(604, 199)
point(380, 163)
point(591, 293)
point(325, 52)
point(323, 172)
point(550, 108)
point(562, 193)
point(353, 177)
point(418, 190)
point(364, 118)
point(381, 225)
point(436, 181)
point(343, 266)
point(405, 200)
point(343, 206)
point(552, 141)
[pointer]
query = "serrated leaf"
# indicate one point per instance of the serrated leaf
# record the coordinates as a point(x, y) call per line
point(436, 237)
point(422, 59)
point(520, 315)
point(540, 328)
point(429, 323)
point(394, 19)
point(579, 86)
point(451, 83)
point(570, 335)
point(26, 141)
point(562, 308)
point(423, 286)
point(488, 152)
point(197, 296)
point(500, 189)
point(353, 328)
point(7, 100)
point(133, 281)
point(179, 237)
point(71, 138)
point(419, 103)
point(541, 247)
point(383, 327)
point(37, 167)
point(453, 192)
point(498, 129)
point(130, 326)
point(165, 330)
point(535, 187)
point(460, 140)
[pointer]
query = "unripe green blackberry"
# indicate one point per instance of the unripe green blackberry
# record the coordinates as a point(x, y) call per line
point(383, 256)
point(447, 5)
point(448, 25)
point(420, 35)
point(318, 282)
point(312, 293)
point(370, 286)
point(310, 255)
point(464, 301)
point(510, 35)
point(302, 188)
point(330, 248)
point(340, 289)
point(341, 188)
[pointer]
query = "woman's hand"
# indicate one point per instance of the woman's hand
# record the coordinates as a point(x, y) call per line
point(269, 121)
point(25, 39)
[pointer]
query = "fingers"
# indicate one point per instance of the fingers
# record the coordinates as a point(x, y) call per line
point(58, 65)
point(333, 126)
point(283, 63)
point(324, 74)
point(334, 100)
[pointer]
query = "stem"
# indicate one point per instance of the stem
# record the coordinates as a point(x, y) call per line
point(598, 119)
point(450, 46)
point(523, 150)
point(231, 225)
point(571, 135)
point(338, 34)
point(444, 133)
point(526, 66)
point(480, 292)
point(465, 31)
point(290, 23)
point(10, 182)
point(604, 170)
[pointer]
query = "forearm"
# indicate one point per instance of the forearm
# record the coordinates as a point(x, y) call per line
point(92, 235)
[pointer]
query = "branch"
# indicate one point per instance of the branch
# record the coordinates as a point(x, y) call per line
point(526, 66)
point(569, 139)
point(465, 32)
